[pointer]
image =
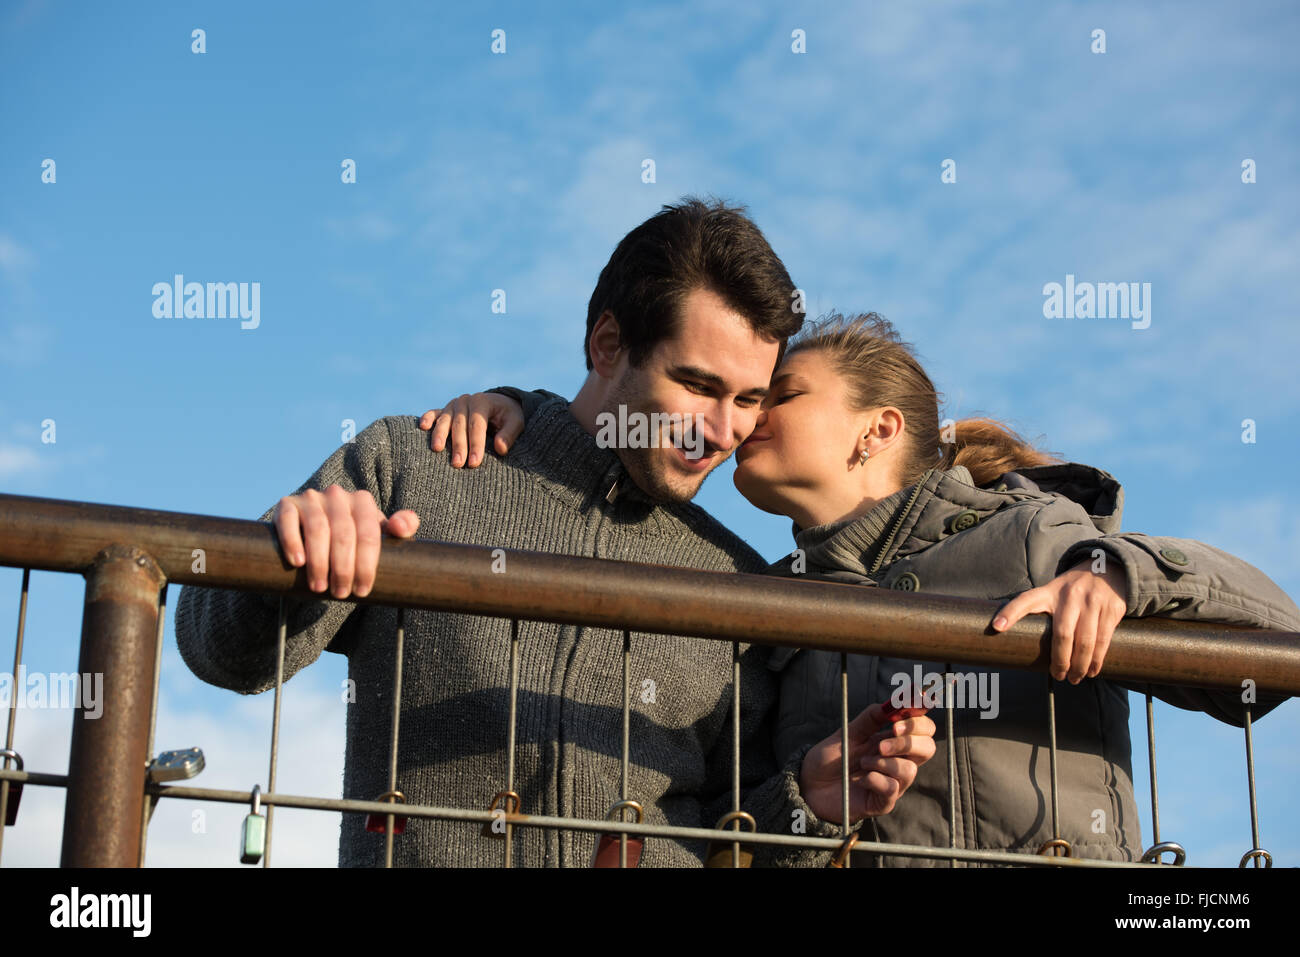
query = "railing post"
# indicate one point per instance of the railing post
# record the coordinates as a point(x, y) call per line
point(102, 818)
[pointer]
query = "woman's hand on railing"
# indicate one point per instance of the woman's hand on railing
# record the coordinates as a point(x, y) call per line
point(466, 421)
point(337, 534)
point(1085, 607)
point(883, 761)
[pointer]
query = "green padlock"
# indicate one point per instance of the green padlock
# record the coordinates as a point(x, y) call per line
point(254, 832)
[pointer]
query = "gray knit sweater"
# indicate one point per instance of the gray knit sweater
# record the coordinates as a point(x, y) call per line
point(549, 495)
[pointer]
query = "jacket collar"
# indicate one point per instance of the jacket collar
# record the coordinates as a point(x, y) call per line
point(854, 544)
point(918, 516)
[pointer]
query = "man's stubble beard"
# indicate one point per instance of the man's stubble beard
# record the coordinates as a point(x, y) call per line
point(649, 467)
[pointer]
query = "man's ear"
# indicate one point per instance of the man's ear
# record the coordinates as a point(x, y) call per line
point(604, 346)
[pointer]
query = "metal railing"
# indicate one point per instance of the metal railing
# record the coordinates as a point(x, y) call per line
point(129, 556)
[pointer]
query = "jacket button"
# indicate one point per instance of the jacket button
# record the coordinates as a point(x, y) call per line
point(1173, 556)
point(962, 520)
point(907, 582)
point(1002, 487)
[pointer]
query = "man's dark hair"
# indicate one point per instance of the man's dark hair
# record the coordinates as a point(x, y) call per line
point(694, 244)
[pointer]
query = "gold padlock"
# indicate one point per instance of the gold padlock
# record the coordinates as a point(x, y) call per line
point(1058, 844)
point(492, 828)
point(842, 855)
point(720, 853)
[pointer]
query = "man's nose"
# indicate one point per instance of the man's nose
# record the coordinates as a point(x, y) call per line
point(719, 427)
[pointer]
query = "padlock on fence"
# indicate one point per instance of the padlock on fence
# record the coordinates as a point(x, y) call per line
point(254, 844)
point(609, 847)
point(1155, 853)
point(720, 853)
point(841, 857)
point(15, 787)
point(494, 829)
point(378, 823)
point(1050, 848)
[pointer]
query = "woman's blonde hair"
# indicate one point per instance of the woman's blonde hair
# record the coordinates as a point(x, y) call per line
point(881, 370)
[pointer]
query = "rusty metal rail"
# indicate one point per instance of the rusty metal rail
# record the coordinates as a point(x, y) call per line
point(626, 595)
point(129, 555)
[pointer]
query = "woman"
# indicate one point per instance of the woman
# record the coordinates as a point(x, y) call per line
point(848, 446)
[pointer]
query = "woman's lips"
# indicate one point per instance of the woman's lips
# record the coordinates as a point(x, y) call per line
point(749, 443)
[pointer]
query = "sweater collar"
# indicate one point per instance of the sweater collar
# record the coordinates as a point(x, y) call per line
point(855, 544)
point(564, 457)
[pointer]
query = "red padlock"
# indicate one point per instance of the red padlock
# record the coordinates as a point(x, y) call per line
point(608, 848)
point(379, 822)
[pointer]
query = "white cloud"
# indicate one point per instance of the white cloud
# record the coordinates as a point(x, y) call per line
point(23, 343)
point(15, 259)
point(19, 460)
point(367, 226)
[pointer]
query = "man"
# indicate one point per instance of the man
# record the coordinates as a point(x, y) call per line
point(689, 316)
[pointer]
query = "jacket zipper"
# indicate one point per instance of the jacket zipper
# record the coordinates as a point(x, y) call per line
point(889, 540)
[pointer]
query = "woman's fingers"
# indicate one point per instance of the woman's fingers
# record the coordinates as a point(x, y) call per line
point(1032, 602)
point(480, 412)
point(508, 430)
point(1065, 618)
point(439, 424)
point(459, 428)
point(463, 423)
point(1110, 618)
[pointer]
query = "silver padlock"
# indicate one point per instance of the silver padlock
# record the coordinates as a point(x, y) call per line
point(176, 765)
point(15, 787)
point(254, 832)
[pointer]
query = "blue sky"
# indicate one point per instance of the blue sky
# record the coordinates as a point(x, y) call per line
point(521, 171)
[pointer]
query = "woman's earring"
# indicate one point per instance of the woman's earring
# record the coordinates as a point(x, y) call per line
point(865, 456)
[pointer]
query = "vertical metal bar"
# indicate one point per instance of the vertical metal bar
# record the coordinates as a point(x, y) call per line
point(1051, 740)
point(735, 748)
point(844, 749)
point(1151, 753)
point(106, 764)
point(511, 725)
point(281, 630)
point(13, 698)
point(391, 818)
point(153, 718)
point(627, 728)
point(951, 742)
point(1250, 778)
